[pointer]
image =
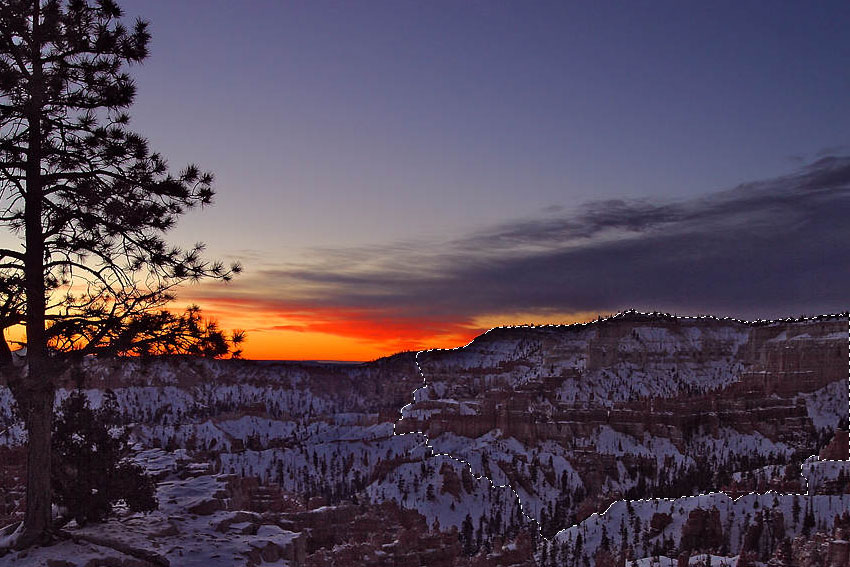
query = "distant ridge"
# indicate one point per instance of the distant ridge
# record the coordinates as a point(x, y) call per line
point(635, 315)
point(313, 362)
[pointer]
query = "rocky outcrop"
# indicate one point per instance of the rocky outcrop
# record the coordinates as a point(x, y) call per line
point(838, 448)
point(658, 522)
point(822, 549)
point(701, 531)
point(389, 536)
point(720, 395)
point(561, 382)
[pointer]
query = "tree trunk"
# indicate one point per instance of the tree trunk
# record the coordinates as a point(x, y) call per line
point(5, 353)
point(37, 406)
point(36, 390)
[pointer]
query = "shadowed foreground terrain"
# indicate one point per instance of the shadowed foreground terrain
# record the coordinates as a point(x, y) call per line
point(529, 430)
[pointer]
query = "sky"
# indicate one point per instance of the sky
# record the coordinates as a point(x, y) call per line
point(405, 175)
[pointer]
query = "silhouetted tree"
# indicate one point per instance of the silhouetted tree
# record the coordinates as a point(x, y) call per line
point(90, 203)
point(91, 468)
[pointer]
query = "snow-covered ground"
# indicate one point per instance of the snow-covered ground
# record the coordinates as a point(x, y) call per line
point(185, 539)
point(329, 432)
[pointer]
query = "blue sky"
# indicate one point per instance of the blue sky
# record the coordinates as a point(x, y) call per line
point(348, 135)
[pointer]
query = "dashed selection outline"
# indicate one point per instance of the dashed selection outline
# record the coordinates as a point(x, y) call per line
point(621, 314)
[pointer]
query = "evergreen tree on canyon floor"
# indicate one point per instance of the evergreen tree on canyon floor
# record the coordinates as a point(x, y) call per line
point(89, 204)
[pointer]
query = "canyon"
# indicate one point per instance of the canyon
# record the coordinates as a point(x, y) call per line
point(494, 453)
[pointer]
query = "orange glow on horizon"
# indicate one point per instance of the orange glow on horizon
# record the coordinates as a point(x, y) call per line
point(329, 335)
point(289, 331)
point(303, 333)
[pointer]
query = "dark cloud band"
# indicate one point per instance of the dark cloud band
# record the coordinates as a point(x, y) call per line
point(771, 248)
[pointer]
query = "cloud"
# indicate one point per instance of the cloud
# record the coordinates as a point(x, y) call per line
point(769, 248)
point(830, 150)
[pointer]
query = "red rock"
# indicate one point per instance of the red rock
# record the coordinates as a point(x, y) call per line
point(451, 481)
point(658, 522)
point(702, 530)
point(838, 448)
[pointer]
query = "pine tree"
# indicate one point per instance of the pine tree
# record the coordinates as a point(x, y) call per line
point(636, 528)
point(566, 551)
point(92, 468)
point(466, 535)
point(795, 509)
point(90, 203)
point(808, 521)
point(624, 532)
point(479, 533)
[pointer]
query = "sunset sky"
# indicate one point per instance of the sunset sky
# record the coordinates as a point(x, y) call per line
point(404, 175)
